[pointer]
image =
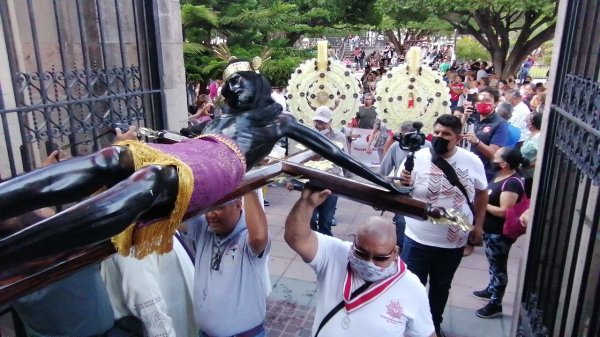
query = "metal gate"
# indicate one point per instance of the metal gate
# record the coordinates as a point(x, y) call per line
point(77, 67)
point(561, 288)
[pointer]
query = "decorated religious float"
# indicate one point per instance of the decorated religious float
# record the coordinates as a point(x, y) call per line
point(409, 92)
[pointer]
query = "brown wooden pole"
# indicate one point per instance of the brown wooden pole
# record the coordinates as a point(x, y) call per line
point(363, 193)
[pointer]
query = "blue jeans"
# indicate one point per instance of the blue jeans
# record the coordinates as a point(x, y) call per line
point(437, 264)
point(400, 223)
point(323, 215)
point(453, 106)
point(497, 248)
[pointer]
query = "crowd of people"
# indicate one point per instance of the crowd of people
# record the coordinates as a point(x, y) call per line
point(479, 159)
point(490, 141)
point(498, 124)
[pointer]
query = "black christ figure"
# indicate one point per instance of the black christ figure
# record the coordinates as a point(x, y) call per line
point(241, 137)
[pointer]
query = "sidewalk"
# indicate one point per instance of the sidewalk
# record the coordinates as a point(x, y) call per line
point(290, 308)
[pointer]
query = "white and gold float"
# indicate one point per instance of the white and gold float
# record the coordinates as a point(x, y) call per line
point(323, 82)
point(412, 92)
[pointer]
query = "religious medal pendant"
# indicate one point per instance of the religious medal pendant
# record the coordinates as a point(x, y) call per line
point(346, 322)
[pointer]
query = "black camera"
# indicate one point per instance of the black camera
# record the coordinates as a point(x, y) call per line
point(411, 141)
point(473, 98)
point(471, 119)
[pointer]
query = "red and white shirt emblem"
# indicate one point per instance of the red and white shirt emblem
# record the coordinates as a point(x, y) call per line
point(394, 309)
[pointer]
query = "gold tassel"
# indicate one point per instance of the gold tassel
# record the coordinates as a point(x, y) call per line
point(156, 237)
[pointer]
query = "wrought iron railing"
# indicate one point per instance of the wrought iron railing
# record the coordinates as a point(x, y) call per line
point(561, 294)
point(102, 70)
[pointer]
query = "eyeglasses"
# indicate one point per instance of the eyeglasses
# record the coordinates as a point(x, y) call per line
point(366, 256)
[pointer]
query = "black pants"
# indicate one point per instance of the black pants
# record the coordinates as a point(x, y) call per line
point(437, 264)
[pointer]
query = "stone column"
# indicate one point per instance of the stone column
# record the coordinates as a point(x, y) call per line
point(7, 101)
point(167, 15)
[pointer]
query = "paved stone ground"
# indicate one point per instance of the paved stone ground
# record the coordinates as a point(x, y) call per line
point(287, 319)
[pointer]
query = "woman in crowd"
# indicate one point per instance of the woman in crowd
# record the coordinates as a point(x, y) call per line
point(537, 102)
point(378, 138)
point(375, 59)
point(529, 149)
point(370, 83)
point(505, 190)
point(204, 110)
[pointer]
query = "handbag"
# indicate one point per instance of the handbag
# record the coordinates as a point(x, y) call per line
point(512, 227)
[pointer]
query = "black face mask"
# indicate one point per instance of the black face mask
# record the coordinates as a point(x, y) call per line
point(440, 145)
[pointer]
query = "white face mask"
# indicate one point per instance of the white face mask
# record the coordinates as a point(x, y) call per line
point(324, 132)
point(368, 271)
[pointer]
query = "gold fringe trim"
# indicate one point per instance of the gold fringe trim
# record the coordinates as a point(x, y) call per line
point(156, 237)
point(229, 143)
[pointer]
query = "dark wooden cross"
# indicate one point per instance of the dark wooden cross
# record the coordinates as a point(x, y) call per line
point(25, 278)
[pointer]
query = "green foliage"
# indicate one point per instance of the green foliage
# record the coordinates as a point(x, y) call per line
point(279, 71)
point(194, 48)
point(203, 66)
point(539, 71)
point(248, 25)
point(198, 16)
point(547, 49)
point(509, 29)
point(469, 49)
point(410, 19)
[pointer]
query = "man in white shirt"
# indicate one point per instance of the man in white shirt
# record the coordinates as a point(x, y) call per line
point(482, 72)
point(156, 289)
point(432, 251)
point(366, 281)
point(520, 112)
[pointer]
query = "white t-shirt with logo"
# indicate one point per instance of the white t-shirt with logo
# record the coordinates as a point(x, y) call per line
point(402, 309)
point(431, 185)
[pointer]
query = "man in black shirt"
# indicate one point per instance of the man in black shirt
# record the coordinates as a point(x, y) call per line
point(491, 133)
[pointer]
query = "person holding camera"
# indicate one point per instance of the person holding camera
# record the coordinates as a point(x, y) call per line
point(394, 156)
point(491, 132)
point(451, 177)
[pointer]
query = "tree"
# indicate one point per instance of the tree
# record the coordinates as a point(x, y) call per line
point(247, 25)
point(508, 29)
point(201, 20)
point(404, 24)
point(467, 48)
